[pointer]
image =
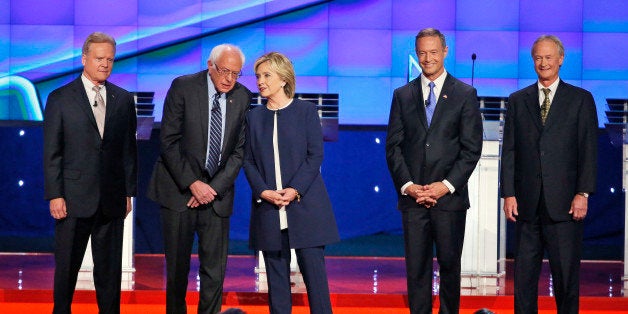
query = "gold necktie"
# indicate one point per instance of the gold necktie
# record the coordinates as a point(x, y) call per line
point(99, 110)
point(546, 105)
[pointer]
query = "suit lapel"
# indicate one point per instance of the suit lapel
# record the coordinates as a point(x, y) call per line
point(203, 109)
point(559, 104)
point(86, 107)
point(449, 87)
point(417, 98)
point(229, 115)
point(532, 105)
point(110, 109)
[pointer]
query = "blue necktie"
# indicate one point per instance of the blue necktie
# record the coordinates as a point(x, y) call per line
point(431, 104)
point(215, 135)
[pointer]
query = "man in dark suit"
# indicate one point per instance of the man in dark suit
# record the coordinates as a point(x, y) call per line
point(433, 144)
point(90, 171)
point(193, 180)
point(548, 170)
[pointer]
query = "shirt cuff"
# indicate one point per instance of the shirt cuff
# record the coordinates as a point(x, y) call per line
point(405, 186)
point(451, 188)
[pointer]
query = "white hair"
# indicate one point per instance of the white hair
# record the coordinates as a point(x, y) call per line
point(218, 50)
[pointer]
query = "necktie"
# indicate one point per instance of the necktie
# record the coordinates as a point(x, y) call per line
point(215, 136)
point(431, 104)
point(99, 110)
point(546, 105)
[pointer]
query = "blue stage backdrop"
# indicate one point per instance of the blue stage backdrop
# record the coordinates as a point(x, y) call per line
point(360, 50)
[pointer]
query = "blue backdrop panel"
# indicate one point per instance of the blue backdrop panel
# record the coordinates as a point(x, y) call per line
point(604, 56)
point(487, 15)
point(309, 56)
point(490, 62)
point(351, 14)
point(104, 13)
point(550, 16)
point(415, 15)
point(364, 100)
point(610, 17)
point(37, 12)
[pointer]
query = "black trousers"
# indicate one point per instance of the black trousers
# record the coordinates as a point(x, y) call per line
point(311, 262)
point(422, 229)
point(563, 243)
point(179, 229)
point(71, 237)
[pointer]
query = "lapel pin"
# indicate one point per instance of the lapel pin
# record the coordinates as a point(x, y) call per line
point(444, 96)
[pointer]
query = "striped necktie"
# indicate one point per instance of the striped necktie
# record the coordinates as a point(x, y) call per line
point(215, 137)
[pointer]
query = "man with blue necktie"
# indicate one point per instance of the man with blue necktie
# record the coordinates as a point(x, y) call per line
point(433, 144)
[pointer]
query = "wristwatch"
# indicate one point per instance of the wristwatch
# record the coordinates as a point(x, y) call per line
point(585, 194)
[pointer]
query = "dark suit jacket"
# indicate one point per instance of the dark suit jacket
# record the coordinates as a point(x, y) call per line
point(560, 157)
point(449, 149)
point(311, 221)
point(184, 144)
point(80, 166)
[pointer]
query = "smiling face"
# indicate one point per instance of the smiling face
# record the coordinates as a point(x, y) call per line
point(98, 62)
point(269, 83)
point(431, 53)
point(547, 61)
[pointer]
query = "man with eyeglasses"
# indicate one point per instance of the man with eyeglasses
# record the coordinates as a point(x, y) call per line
point(202, 143)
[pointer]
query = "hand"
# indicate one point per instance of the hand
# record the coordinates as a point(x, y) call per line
point(418, 192)
point(435, 190)
point(578, 208)
point(57, 208)
point(203, 193)
point(289, 195)
point(510, 208)
point(273, 197)
point(129, 206)
point(193, 203)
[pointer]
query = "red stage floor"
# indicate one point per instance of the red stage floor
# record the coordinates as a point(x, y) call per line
point(354, 282)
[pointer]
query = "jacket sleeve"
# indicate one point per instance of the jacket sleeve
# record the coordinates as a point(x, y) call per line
point(394, 138)
point(53, 148)
point(471, 140)
point(507, 173)
point(587, 145)
point(130, 149)
point(172, 128)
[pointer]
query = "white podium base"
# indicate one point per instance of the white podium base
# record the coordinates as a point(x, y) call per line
point(85, 279)
point(296, 279)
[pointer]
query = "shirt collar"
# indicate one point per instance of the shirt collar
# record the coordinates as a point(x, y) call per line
point(88, 84)
point(211, 89)
point(552, 86)
point(439, 81)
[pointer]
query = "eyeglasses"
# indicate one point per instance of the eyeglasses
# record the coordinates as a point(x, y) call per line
point(226, 72)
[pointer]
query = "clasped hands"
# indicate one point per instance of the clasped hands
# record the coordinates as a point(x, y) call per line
point(427, 195)
point(279, 197)
point(202, 193)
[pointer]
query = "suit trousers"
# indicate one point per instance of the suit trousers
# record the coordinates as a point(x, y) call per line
point(71, 237)
point(179, 228)
point(311, 262)
point(423, 228)
point(563, 242)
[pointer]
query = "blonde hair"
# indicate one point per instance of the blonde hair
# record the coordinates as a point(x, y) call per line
point(283, 67)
